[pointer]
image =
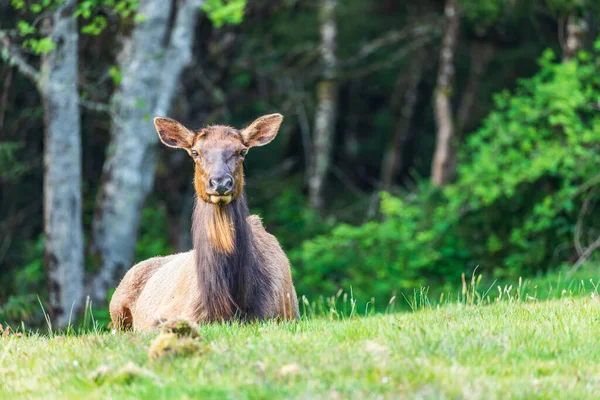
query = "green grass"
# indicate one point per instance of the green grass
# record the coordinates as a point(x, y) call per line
point(513, 348)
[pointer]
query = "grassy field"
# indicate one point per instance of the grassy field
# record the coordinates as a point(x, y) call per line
point(507, 349)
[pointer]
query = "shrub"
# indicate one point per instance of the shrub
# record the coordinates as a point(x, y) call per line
point(523, 178)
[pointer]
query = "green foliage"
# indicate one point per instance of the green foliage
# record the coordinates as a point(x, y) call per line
point(95, 23)
point(37, 45)
point(18, 4)
point(95, 27)
point(29, 284)
point(29, 278)
point(19, 308)
point(225, 12)
point(87, 10)
point(25, 28)
point(40, 46)
point(521, 181)
point(379, 259)
point(153, 237)
point(123, 8)
point(115, 74)
point(486, 12)
point(290, 219)
point(10, 167)
point(486, 15)
point(564, 7)
point(535, 157)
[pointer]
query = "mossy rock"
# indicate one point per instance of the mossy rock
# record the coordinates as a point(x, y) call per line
point(172, 345)
point(180, 327)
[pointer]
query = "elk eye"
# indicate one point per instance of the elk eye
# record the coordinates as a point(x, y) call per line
point(243, 152)
point(194, 153)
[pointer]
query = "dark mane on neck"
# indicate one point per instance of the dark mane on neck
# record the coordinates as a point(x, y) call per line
point(227, 280)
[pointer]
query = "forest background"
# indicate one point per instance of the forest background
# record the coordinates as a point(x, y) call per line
point(422, 140)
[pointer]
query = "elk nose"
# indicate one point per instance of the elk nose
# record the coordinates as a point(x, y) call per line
point(221, 185)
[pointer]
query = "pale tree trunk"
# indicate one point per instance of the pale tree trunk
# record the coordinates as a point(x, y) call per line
point(324, 127)
point(440, 171)
point(62, 173)
point(178, 54)
point(576, 31)
point(151, 73)
point(404, 102)
point(482, 53)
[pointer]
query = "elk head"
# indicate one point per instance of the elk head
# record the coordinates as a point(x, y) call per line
point(218, 153)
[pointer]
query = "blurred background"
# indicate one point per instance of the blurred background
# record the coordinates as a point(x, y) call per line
point(422, 139)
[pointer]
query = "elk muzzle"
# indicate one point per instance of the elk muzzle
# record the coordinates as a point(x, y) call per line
point(220, 189)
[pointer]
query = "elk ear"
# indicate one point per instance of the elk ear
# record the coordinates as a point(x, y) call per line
point(173, 134)
point(262, 130)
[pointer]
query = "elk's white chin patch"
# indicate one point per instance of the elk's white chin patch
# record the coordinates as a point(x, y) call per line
point(220, 199)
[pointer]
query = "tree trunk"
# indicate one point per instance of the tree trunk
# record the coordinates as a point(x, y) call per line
point(576, 29)
point(404, 101)
point(151, 74)
point(178, 54)
point(62, 174)
point(482, 53)
point(441, 174)
point(323, 132)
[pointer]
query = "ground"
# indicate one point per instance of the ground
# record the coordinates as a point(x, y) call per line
point(509, 349)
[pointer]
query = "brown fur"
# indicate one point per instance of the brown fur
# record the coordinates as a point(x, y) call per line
point(134, 281)
point(220, 230)
point(236, 269)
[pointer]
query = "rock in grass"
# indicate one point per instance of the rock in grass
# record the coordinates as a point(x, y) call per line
point(289, 370)
point(122, 376)
point(375, 348)
point(180, 327)
point(172, 345)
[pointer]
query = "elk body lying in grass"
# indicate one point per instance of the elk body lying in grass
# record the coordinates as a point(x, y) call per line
point(236, 269)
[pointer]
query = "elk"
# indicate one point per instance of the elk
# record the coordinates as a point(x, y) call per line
point(236, 270)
